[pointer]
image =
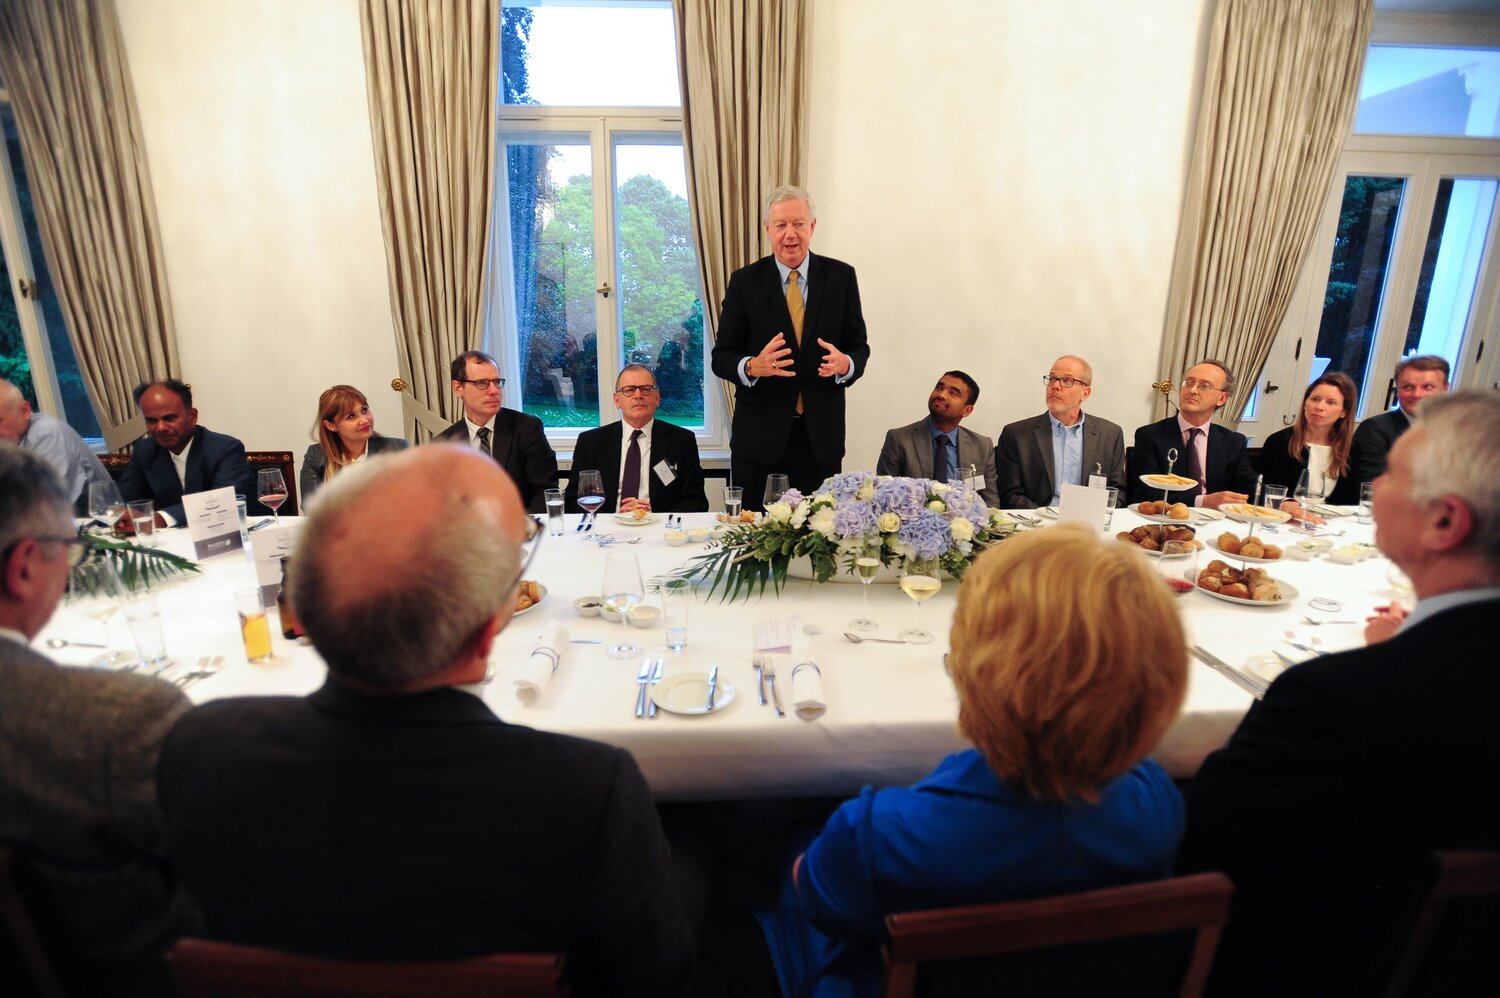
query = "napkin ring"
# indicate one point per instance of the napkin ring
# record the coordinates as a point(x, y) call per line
point(550, 654)
point(806, 665)
point(1326, 604)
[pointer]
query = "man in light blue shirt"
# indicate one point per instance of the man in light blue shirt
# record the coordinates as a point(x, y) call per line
point(53, 440)
point(1036, 456)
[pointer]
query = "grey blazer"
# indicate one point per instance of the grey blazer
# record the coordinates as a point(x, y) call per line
point(1023, 459)
point(315, 462)
point(908, 451)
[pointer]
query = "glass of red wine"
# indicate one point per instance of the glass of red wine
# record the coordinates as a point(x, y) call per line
point(271, 489)
point(590, 493)
point(1178, 565)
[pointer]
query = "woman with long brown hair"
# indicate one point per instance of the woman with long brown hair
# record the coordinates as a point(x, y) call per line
point(345, 429)
point(1321, 440)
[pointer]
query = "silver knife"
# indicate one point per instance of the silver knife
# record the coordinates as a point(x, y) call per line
point(643, 679)
point(713, 686)
point(760, 681)
point(655, 680)
point(775, 695)
point(1234, 675)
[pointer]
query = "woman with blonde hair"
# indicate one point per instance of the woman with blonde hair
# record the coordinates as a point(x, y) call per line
point(1321, 441)
point(345, 430)
point(1070, 665)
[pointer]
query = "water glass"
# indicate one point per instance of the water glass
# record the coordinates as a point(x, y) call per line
point(143, 520)
point(1311, 489)
point(1111, 500)
point(734, 497)
point(255, 628)
point(1273, 496)
point(676, 594)
point(1367, 503)
point(554, 498)
point(143, 614)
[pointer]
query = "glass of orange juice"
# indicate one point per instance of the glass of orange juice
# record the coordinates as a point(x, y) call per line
point(255, 629)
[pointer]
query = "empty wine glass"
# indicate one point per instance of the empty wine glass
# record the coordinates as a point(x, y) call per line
point(921, 578)
point(867, 566)
point(271, 490)
point(622, 590)
point(105, 504)
point(1311, 488)
point(590, 491)
point(96, 591)
point(775, 486)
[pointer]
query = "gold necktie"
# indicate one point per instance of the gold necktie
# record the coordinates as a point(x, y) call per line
point(794, 306)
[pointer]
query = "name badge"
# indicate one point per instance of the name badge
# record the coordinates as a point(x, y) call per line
point(1098, 482)
point(976, 483)
point(664, 472)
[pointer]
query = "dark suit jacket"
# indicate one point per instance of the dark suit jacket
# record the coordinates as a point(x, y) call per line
point(215, 460)
point(599, 450)
point(1373, 439)
point(1228, 459)
point(754, 312)
point(1280, 468)
point(78, 802)
point(520, 447)
point(907, 451)
point(315, 461)
point(1023, 459)
point(420, 827)
point(1319, 807)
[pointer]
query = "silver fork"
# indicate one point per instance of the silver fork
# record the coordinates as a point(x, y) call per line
point(769, 669)
point(655, 681)
point(206, 667)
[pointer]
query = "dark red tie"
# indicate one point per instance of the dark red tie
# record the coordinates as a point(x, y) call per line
point(630, 485)
point(1194, 468)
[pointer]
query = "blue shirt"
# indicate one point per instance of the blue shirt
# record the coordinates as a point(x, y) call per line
point(1067, 454)
point(61, 446)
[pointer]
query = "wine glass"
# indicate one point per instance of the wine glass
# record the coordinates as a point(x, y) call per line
point(271, 489)
point(775, 486)
point(1178, 565)
point(105, 504)
point(96, 591)
point(921, 579)
point(867, 565)
point(1310, 490)
point(590, 491)
point(622, 590)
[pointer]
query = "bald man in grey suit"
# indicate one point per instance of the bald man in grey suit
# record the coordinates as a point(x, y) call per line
point(1031, 450)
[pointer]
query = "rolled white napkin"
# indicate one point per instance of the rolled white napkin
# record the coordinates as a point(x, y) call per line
point(807, 681)
point(536, 672)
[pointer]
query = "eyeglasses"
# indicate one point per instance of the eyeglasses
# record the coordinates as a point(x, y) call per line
point(483, 384)
point(631, 391)
point(534, 534)
point(78, 548)
point(1048, 379)
point(1206, 386)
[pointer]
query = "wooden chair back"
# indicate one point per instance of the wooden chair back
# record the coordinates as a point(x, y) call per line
point(28, 968)
point(1445, 943)
point(1155, 938)
point(202, 968)
point(116, 462)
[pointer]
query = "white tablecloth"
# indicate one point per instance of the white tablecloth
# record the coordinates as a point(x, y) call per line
point(891, 708)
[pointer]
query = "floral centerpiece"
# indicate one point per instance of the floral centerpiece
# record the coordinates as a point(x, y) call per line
point(849, 514)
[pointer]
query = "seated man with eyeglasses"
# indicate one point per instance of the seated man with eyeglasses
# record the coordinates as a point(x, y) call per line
point(1214, 456)
point(653, 467)
point(390, 815)
point(78, 755)
point(516, 440)
point(1036, 456)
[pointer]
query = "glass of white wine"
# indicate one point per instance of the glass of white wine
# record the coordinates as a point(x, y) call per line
point(867, 566)
point(921, 578)
point(622, 590)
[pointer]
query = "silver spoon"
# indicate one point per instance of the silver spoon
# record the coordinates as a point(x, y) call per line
point(861, 639)
point(65, 643)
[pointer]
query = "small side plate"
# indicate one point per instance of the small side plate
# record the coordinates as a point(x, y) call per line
point(687, 693)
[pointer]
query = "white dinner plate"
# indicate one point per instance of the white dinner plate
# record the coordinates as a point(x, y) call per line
point(1243, 512)
point(629, 520)
point(1161, 482)
point(1050, 512)
point(1217, 551)
point(541, 594)
point(1135, 508)
point(687, 693)
point(1288, 595)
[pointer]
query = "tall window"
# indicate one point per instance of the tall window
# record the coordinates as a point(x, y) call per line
point(1406, 258)
point(35, 352)
point(595, 265)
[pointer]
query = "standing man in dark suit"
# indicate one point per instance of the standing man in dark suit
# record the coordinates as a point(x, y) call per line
point(663, 472)
point(390, 815)
point(516, 441)
point(1357, 763)
point(1037, 455)
point(1416, 378)
point(914, 450)
point(791, 338)
point(177, 457)
point(1213, 455)
point(78, 754)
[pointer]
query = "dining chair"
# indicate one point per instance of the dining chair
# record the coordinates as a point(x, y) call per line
point(1155, 938)
point(203, 968)
point(1445, 941)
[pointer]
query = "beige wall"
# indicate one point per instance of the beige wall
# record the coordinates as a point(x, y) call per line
point(1006, 177)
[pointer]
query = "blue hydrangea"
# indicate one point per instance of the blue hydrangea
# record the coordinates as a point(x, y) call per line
point(968, 504)
point(843, 486)
point(791, 497)
point(905, 497)
point(926, 534)
point(854, 518)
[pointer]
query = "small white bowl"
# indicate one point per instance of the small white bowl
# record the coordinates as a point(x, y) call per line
point(609, 613)
point(645, 615)
point(588, 606)
point(697, 534)
point(675, 538)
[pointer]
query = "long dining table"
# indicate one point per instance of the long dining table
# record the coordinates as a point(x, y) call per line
point(891, 709)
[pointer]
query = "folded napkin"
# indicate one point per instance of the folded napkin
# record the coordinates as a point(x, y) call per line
point(807, 681)
point(532, 679)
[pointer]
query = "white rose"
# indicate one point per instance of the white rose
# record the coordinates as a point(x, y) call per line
point(941, 488)
point(822, 522)
point(962, 529)
point(889, 523)
point(779, 512)
point(826, 497)
point(937, 506)
point(866, 491)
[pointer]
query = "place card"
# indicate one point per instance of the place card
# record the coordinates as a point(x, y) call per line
point(1081, 504)
point(213, 522)
point(776, 634)
point(268, 546)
